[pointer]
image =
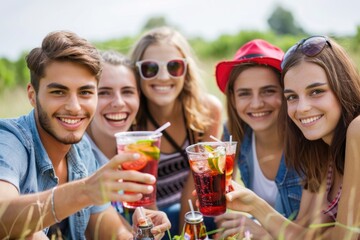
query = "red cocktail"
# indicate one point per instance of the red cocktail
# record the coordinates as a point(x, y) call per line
point(230, 161)
point(207, 162)
point(147, 144)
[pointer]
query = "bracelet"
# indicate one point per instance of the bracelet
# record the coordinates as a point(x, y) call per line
point(53, 205)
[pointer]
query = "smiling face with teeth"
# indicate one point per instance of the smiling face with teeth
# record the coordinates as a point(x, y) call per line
point(65, 102)
point(118, 102)
point(164, 89)
point(257, 96)
point(312, 105)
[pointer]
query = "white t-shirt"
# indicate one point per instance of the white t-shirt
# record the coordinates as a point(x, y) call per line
point(263, 187)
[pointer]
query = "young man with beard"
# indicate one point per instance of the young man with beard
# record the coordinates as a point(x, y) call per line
point(48, 175)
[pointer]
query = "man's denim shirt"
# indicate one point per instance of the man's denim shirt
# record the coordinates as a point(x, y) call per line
point(25, 164)
point(287, 180)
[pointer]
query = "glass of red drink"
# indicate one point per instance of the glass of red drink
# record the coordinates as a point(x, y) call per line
point(207, 162)
point(230, 161)
point(147, 144)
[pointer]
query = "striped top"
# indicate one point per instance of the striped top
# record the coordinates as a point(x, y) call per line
point(332, 208)
point(172, 173)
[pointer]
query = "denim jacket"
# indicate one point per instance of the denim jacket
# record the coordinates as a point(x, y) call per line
point(287, 180)
point(25, 163)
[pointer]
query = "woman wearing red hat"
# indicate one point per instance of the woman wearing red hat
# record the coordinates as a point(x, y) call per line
point(321, 86)
point(251, 83)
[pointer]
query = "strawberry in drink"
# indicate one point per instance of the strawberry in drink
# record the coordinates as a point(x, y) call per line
point(147, 145)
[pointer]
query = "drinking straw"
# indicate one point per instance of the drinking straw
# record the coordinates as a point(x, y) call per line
point(142, 214)
point(215, 139)
point(162, 128)
point(146, 220)
point(230, 140)
point(193, 215)
point(191, 208)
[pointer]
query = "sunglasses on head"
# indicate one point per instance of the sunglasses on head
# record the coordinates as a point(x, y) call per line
point(310, 47)
point(149, 69)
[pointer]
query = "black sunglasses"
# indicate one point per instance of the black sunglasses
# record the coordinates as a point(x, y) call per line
point(310, 47)
point(149, 69)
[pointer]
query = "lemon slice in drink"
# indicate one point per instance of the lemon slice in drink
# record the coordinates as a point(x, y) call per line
point(208, 148)
point(146, 147)
point(219, 162)
point(211, 162)
point(216, 162)
point(210, 157)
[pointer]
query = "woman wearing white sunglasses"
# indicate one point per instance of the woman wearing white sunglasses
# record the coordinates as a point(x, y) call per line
point(171, 91)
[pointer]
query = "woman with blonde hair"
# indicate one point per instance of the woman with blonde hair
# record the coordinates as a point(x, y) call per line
point(172, 91)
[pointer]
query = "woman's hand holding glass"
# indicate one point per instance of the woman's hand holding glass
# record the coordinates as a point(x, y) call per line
point(241, 198)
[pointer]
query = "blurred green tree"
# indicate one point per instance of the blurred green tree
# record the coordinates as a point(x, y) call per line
point(122, 45)
point(7, 74)
point(22, 74)
point(281, 21)
point(356, 41)
point(153, 22)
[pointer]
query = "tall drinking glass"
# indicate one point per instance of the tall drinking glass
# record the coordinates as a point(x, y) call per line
point(147, 144)
point(207, 162)
point(230, 160)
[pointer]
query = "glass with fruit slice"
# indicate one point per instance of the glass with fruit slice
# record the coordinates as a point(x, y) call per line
point(207, 162)
point(147, 144)
point(230, 161)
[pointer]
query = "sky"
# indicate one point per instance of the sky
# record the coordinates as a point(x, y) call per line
point(24, 23)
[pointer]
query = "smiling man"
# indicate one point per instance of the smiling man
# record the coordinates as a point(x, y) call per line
point(50, 183)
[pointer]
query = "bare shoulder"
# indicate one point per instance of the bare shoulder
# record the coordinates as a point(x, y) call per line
point(214, 105)
point(212, 102)
point(353, 131)
point(352, 144)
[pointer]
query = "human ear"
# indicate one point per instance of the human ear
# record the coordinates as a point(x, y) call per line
point(31, 94)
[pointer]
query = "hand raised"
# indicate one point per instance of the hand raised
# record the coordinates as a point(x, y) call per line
point(241, 198)
point(104, 185)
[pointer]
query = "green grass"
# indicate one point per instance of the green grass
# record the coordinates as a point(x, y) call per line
point(14, 103)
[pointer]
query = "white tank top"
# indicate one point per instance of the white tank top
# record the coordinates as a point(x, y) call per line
point(263, 187)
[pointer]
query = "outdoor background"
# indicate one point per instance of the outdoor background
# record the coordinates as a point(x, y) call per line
point(215, 29)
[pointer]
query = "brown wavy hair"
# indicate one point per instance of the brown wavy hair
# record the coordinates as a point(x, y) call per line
point(312, 158)
point(62, 46)
point(196, 114)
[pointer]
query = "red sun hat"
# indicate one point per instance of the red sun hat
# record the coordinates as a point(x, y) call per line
point(256, 51)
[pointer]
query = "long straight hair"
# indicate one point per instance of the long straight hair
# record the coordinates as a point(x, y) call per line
point(312, 158)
